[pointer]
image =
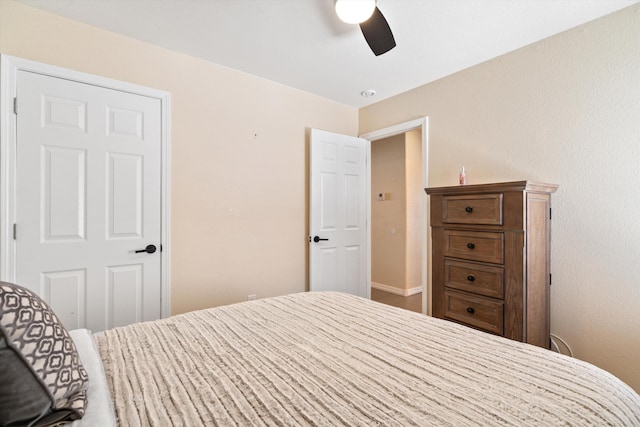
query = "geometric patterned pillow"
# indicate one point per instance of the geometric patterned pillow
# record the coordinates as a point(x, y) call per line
point(42, 381)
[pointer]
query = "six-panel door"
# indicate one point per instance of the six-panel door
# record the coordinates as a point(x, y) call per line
point(87, 197)
point(337, 213)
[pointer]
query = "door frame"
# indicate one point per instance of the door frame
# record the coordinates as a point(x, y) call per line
point(9, 68)
point(423, 124)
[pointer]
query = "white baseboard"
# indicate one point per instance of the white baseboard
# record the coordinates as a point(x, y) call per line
point(396, 291)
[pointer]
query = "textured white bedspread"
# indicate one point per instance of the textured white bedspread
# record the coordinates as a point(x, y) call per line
point(333, 359)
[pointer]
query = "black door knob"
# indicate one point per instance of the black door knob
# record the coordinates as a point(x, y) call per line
point(149, 249)
point(469, 209)
point(471, 245)
point(470, 310)
point(317, 239)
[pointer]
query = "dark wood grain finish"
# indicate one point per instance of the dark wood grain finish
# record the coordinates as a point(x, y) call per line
point(538, 269)
point(474, 245)
point(481, 279)
point(482, 313)
point(437, 270)
point(483, 209)
point(508, 259)
point(514, 298)
point(498, 187)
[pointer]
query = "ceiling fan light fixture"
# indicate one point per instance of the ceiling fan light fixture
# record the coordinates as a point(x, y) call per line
point(355, 11)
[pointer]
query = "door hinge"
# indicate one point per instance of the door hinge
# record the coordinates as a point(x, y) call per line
point(549, 213)
point(549, 279)
point(15, 105)
point(15, 231)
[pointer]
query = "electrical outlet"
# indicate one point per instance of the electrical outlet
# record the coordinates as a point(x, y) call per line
point(251, 297)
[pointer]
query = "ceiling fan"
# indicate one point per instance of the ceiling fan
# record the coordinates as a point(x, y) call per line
point(374, 26)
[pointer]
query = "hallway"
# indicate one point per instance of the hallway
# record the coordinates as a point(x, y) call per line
point(412, 302)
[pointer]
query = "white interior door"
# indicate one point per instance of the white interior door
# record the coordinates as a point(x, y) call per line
point(338, 244)
point(88, 196)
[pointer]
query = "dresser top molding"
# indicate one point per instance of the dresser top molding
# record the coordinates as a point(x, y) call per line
point(537, 187)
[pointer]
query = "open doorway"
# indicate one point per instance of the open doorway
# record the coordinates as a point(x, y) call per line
point(398, 214)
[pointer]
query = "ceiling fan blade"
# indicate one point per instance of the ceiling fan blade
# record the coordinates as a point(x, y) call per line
point(377, 33)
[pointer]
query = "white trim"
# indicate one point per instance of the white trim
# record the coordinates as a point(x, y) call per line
point(165, 205)
point(396, 129)
point(413, 291)
point(421, 123)
point(396, 291)
point(9, 67)
point(368, 189)
point(7, 158)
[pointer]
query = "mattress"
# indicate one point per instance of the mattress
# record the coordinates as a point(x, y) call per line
point(330, 359)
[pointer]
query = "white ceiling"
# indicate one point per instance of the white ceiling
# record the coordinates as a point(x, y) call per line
point(302, 43)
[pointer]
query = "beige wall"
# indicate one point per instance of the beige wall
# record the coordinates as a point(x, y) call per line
point(415, 194)
point(564, 110)
point(239, 156)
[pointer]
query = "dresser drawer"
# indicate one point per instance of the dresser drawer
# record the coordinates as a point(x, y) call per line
point(474, 245)
point(480, 279)
point(483, 209)
point(479, 312)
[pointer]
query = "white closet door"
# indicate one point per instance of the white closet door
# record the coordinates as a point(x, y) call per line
point(88, 190)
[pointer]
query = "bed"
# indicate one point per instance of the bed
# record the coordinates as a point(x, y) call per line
point(335, 359)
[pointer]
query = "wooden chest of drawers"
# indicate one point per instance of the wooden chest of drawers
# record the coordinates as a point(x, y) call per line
point(490, 257)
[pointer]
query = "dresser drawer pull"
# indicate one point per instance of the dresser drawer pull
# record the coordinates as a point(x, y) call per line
point(470, 310)
point(468, 209)
point(470, 245)
point(471, 278)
